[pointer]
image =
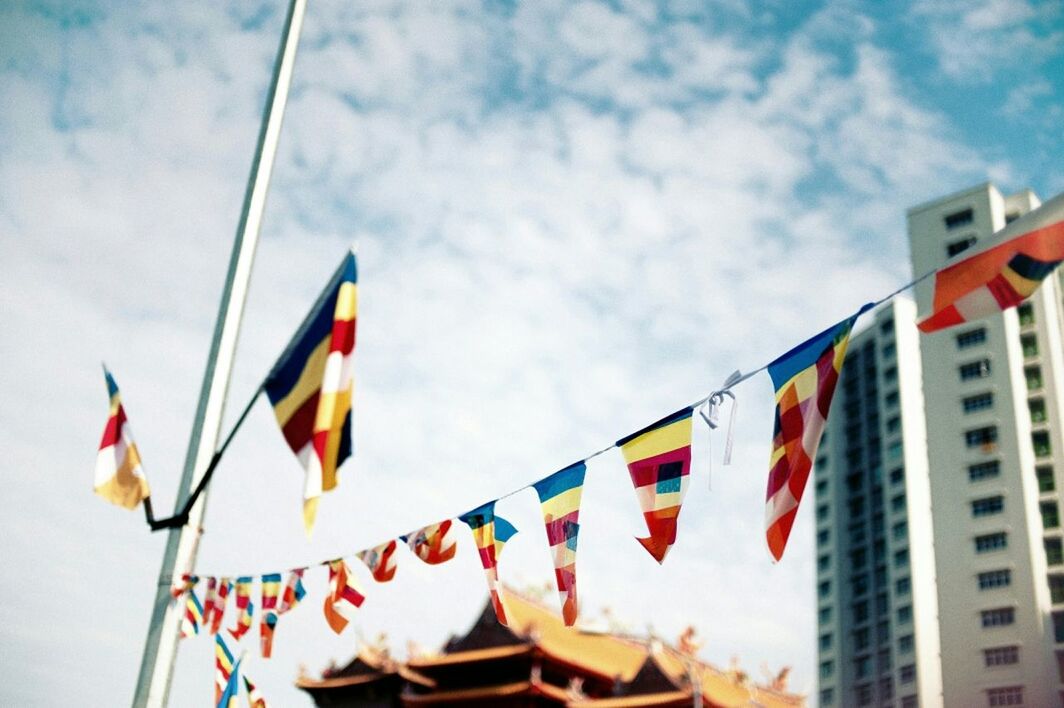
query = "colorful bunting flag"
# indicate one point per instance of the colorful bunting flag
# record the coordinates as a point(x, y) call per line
point(190, 621)
point(186, 583)
point(119, 476)
point(559, 495)
point(491, 533)
point(310, 387)
point(209, 597)
point(659, 462)
point(217, 608)
point(244, 607)
point(1004, 274)
point(224, 671)
point(344, 598)
point(434, 543)
point(271, 589)
point(293, 591)
point(805, 379)
point(255, 699)
point(380, 561)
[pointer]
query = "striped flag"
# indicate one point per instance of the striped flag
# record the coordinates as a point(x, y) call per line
point(344, 598)
point(190, 622)
point(209, 598)
point(310, 387)
point(1004, 274)
point(805, 379)
point(225, 670)
point(380, 560)
point(244, 607)
point(491, 533)
point(255, 699)
point(187, 582)
point(293, 591)
point(271, 590)
point(217, 609)
point(559, 496)
point(434, 543)
point(659, 462)
point(119, 477)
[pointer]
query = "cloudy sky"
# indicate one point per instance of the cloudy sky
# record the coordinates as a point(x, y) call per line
point(572, 218)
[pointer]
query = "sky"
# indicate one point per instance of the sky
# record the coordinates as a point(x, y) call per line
point(572, 218)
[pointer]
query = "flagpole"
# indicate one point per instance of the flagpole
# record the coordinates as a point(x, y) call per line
point(160, 648)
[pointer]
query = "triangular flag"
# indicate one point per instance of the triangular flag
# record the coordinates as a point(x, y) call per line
point(380, 560)
point(491, 533)
point(344, 598)
point(119, 476)
point(434, 543)
point(559, 496)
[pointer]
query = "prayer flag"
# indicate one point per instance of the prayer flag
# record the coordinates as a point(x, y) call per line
point(310, 387)
point(659, 462)
point(559, 496)
point(380, 561)
point(217, 608)
point(119, 476)
point(805, 379)
point(271, 589)
point(244, 607)
point(491, 533)
point(434, 543)
point(1002, 275)
point(344, 598)
point(190, 622)
point(230, 697)
point(255, 699)
point(224, 668)
point(209, 597)
point(293, 591)
point(188, 581)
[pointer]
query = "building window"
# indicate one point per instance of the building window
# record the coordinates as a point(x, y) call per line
point(823, 563)
point(1033, 374)
point(862, 666)
point(824, 589)
point(1046, 482)
point(1037, 407)
point(822, 537)
point(827, 697)
point(974, 370)
point(891, 399)
point(905, 644)
point(998, 617)
point(1029, 342)
point(909, 702)
point(905, 614)
point(897, 475)
point(821, 487)
point(860, 584)
point(821, 462)
point(824, 616)
point(893, 424)
point(961, 244)
point(1026, 314)
point(1054, 551)
point(1058, 627)
point(1056, 588)
point(825, 642)
point(984, 470)
point(902, 586)
point(959, 218)
point(981, 437)
point(897, 502)
point(894, 451)
point(860, 612)
point(864, 694)
point(907, 673)
point(978, 402)
point(856, 506)
point(889, 350)
point(988, 506)
point(1050, 515)
point(901, 558)
point(1040, 440)
point(886, 688)
point(995, 579)
point(971, 338)
point(1001, 656)
point(822, 512)
point(890, 373)
point(827, 669)
point(900, 530)
point(1004, 696)
point(991, 542)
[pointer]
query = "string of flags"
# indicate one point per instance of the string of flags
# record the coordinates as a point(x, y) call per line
point(310, 391)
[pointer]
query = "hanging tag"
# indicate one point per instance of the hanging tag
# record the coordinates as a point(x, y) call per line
point(731, 430)
point(710, 412)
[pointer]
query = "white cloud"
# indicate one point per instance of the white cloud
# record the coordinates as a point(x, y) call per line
point(571, 219)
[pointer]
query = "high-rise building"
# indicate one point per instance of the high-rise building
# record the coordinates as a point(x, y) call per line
point(940, 557)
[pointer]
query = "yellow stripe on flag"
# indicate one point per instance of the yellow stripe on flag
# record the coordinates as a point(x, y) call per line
point(655, 442)
point(308, 383)
point(346, 302)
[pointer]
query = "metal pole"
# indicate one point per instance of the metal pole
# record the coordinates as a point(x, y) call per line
point(160, 648)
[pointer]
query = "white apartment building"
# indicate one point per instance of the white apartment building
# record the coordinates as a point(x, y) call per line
point(877, 609)
point(983, 465)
